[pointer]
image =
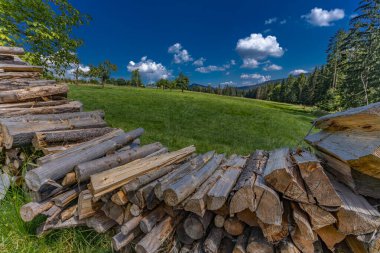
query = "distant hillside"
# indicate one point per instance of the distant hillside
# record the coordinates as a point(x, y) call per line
point(243, 88)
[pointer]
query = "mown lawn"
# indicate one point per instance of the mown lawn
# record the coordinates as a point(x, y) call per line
point(210, 122)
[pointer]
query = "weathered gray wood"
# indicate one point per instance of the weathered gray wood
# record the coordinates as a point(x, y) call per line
point(150, 220)
point(83, 171)
point(58, 168)
point(234, 226)
point(131, 224)
point(100, 223)
point(20, 68)
point(12, 50)
point(120, 240)
point(12, 96)
point(218, 194)
point(65, 198)
point(283, 177)
point(182, 235)
point(114, 212)
point(257, 242)
point(5, 183)
point(213, 240)
point(184, 187)
point(16, 75)
point(318, 217)
point(196, 227)
point(242, 241)
point(30, 210)
point(226, 246)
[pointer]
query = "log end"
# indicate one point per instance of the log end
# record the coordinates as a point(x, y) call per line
point(170, 197)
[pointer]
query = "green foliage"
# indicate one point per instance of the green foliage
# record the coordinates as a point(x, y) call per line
point(102, 71)
point(182, 82)
point(44, 28)
point(136, 78)
point(163, 83)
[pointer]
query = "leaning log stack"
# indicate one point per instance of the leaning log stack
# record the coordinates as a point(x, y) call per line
point(150, 199)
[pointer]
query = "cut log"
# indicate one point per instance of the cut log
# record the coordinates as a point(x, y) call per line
point(184, 187)
point(275, 233)
point(219, 220)
point(288, 247)
point(58, 168)
point(110, 180)
point(135, 210)
point(234, 226)
point(100, 223)
point(213, 240)
point(119, 198)
point(218, 194)
point(69, 212)
point(185, 249)
point(355, 245)
point(43, 139)
point(226, 246)
point(131, 224)
point(374, 245)
point(144, 197)
point(319, 217)
point(31, 93)
point(150, 220)
point(114, 212)
point(20, 68)
point(29, 211)
point(12, 50)
point(85, 170)
point(257, 243)
point(86, 207)
point(316, 180)
point(283, 177)
point(155, 238)
point(356, 216)
point(242, 242)
point(248, 218)
point(15, 75)
point(17, 133)
point(65, 198)
point(196, 227)
point(120, 240)
point(182, 235)
point(70, 223)
point(185, 169)
point(330, 236)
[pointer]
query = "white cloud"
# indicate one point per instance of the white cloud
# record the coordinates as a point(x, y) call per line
point(181, 55)
point(256, 47)
point(320, 17)
point(150, 71)
point(272, 67)
point(211, 68)
point(233, 62)
point(229, 83)
point(297, 72)
point(283, 22)
point(254, 78)
point(271, 21)
point(199, 62)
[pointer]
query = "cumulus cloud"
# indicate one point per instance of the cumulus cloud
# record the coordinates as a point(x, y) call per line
point(228, 83)
point(257, 47)
point(150, 71)
point(297, 72)
point(271, 21)
point(320, 17)
point(211, 68)
point(272, 67)
point(199, 62)
point(254, 78)
point(180, 55)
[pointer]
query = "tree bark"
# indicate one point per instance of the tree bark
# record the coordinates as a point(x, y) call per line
point(196, 227)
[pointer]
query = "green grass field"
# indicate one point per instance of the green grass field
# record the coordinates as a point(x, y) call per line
point(210, 122)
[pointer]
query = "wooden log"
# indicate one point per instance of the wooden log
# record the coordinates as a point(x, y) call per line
point(197, 202)
point(319, 217)
point(196, 226)
point(70, 223)
point(135, 210)
point(175, 247)
point(182, 236)
point(69, 179)
point(144, 197)
point(356, 216)
point(74, 106)
point(150, 220)
point(283, 177)
point(365, 118)
point(114, 212)
point(131, 224)
point(69, 212)
point(275, 233)
point(155, 238)
point(121, 240)
point(185, 169)
point(185, 249)
point(219, 220)
point(11, 50)
point(242, 242)
point(110, 180)
point(234, 226)
point(14, 75)
point(100, 223)
point(213, 240)
point(184, 187)
point(85, 170)
point(355, 245)
point(316, 180)
point(30, 210)
point(248, 218)
point(357, 149)
point(20, 68)
point(218, 194)
point(58, 168)
point(257, 242)
point(65, 198)
point(17, 133)
point(330, 236)
point(86, 207)
point(43, 139)
point(119, 198)
point(226, 246)
point(288, 247)
point(374, 244)
point(12, 96)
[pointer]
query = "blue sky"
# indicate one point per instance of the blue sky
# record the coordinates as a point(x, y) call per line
point(238, 42)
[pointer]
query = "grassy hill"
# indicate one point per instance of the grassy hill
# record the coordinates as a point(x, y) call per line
point(176, 119)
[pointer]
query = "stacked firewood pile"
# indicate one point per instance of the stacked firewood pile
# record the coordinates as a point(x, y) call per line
point(153, 200)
